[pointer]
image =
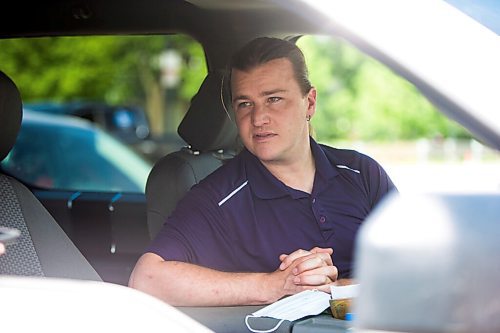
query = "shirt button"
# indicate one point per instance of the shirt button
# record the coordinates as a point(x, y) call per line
point(314, 200)
point(322, 219)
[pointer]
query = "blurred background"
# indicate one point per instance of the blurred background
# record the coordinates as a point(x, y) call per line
point(138, 88)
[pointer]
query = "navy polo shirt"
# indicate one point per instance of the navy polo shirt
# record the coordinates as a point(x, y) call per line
point(241, 218)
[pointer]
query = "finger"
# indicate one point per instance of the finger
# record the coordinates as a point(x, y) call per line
point(301, 252)
point(328, 250)
point(318, 276)
point(326, 257)
point(311, 262)
point(289, 259)
point(308, 263)
point(325, 288)
point(312, 280)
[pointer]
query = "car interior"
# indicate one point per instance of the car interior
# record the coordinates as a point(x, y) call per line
point(100, 223)
point(111, 230)
point(212, 137)
point(99, 236)
point(43, 249)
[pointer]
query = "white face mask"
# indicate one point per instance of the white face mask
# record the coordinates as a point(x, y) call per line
point(306, 303)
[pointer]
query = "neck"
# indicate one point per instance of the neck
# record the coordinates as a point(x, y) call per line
point(298, 174)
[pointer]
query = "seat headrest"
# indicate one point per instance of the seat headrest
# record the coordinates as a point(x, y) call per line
point(206, 125)
point(11, 112)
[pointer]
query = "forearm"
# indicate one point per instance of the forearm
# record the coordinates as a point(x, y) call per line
point(183, 284)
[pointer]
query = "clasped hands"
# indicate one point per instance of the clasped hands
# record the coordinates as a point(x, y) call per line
point(311, 269)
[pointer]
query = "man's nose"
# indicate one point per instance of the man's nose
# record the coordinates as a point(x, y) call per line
point(260, 115)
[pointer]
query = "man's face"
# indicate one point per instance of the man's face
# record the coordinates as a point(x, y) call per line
point(271, 111)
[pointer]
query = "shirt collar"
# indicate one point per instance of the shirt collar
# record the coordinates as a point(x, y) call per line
point(262, 182)
point(266, 186)
point(324, 168)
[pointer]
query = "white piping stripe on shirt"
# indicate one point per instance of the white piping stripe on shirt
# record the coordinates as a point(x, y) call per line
point(232, 193)
point(346, 167)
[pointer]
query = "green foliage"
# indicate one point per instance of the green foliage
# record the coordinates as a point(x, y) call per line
point(360, 99)
point(104, 68)
point(113, 69)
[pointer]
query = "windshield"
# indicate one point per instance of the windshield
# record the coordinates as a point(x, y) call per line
point(486, 12)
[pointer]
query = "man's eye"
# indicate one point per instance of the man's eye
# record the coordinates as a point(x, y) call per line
point(274, 99)
point(243, 105)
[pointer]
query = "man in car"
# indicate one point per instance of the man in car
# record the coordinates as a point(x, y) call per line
point(279, 218)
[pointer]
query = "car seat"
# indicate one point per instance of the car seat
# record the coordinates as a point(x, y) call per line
point(43, 249)
point(212, 138)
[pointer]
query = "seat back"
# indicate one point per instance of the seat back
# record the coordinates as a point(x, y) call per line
point(43, 249)
point(212, 136)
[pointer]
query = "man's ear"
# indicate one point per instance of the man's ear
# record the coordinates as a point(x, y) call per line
point(311, 102)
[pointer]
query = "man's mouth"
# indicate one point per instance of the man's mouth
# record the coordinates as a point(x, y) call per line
point(262, 136)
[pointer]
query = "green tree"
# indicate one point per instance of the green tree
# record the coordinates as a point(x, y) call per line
point(361, 99)
point(117, 70)
point(358, 98)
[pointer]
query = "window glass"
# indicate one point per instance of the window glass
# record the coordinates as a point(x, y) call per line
point(59, 152)
point(131, 90)
point(365, 106)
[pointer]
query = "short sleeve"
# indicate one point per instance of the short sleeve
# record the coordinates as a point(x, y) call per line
point(190, 230)
point(378, 181)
